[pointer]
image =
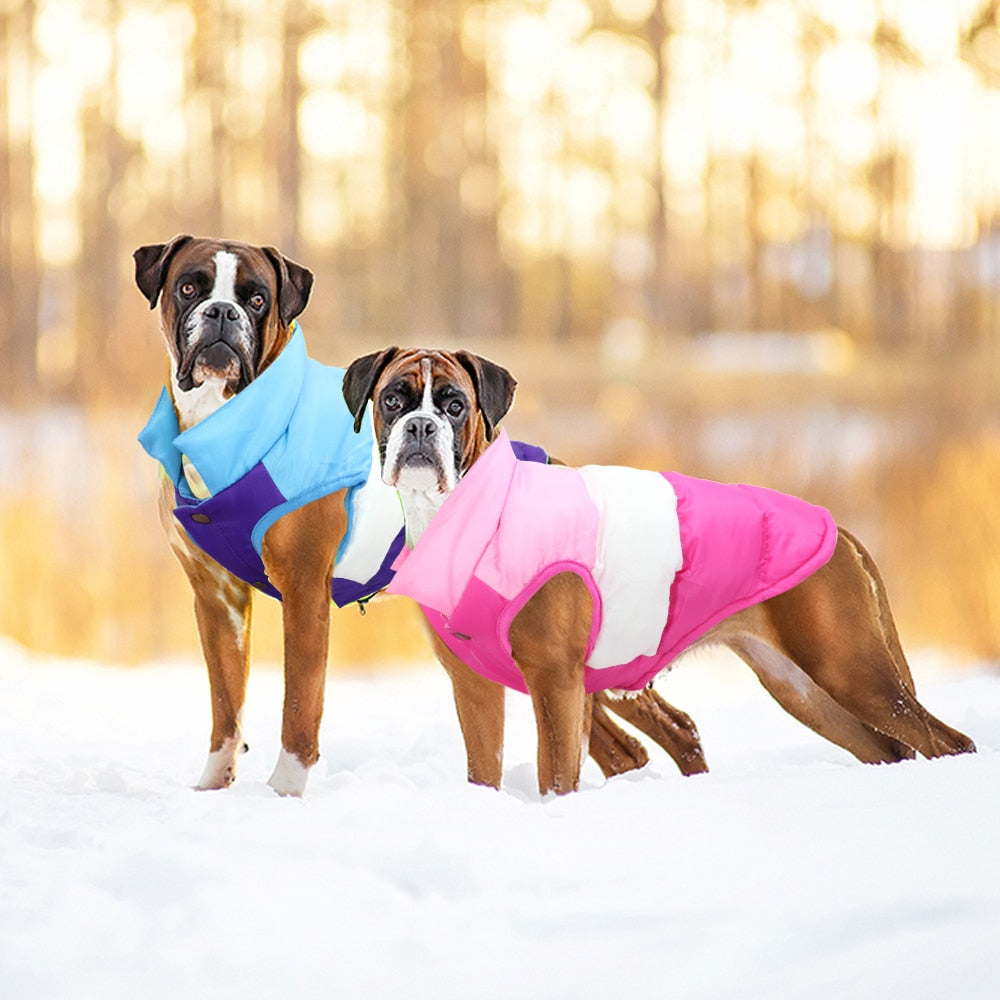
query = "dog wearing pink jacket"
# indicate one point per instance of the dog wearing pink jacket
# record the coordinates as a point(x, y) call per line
point(564, 582)
point(664, 557)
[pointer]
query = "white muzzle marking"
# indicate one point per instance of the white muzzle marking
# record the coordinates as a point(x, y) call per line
point(441, 476)
point(224, 292)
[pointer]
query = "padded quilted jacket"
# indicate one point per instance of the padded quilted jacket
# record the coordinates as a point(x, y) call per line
point(664, 556)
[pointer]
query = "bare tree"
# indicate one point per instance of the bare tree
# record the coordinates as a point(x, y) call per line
point(19, 269)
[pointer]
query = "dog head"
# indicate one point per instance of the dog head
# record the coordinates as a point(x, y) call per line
point(225, 308)
point(434, 412)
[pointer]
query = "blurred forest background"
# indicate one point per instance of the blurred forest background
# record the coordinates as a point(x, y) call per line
point(754, 240)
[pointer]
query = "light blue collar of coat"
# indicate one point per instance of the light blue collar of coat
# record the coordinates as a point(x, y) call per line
point(226, 445)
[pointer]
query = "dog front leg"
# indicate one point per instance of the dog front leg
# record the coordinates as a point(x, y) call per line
point(224, 628)
point(298, 553)
point(306, 623)
point(561, 712)
point(480, 706)
point(548, 638)
point(222, 606)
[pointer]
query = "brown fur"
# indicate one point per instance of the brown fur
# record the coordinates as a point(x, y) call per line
point(667, 726)
point(298, 553)
point(823, 650)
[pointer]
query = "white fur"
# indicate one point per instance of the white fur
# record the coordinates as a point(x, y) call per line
point(620, 694)
point(199, 402)
point(226, 263)
point(421, 497)
point(237, 616)
point(220, 767)
point(290, 775)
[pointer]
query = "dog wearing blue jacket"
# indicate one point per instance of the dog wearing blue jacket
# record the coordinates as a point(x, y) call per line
point(239, 500)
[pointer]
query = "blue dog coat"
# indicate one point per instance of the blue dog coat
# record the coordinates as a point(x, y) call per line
point(283, 441)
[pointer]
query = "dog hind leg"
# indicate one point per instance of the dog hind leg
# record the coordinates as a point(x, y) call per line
point(614, 750)
point(880, 609)
point(865, 683)
point(837, 628)
point(669, 727)
point(800, 696)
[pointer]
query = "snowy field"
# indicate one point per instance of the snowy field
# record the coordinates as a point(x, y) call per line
point(790, 871)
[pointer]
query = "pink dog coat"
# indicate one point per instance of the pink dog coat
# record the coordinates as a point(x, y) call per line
point(665, 558)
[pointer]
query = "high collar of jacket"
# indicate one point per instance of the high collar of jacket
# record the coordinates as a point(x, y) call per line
point(231, 441)
point(437, 570)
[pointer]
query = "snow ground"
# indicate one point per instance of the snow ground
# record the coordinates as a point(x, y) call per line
point(790, 871)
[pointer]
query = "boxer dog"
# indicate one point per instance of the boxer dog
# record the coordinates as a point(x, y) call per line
point(573, 585)
point(257, 493)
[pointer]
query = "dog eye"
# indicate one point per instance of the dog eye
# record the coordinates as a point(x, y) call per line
point(188, 289)
point(454, 408)
point(391, 402)
point(257, 301)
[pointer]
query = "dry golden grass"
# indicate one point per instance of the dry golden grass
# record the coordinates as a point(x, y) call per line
point(942, 530)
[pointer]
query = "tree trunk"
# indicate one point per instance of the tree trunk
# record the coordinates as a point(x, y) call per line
point(19, 269)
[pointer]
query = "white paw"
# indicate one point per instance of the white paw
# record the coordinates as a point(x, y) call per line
point(220, 768)
point(289, 776)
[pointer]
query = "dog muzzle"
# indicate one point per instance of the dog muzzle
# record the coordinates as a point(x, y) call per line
point(420, 448)
point(220, 347)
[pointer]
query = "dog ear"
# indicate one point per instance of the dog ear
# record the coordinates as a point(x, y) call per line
point(360, 379)
point(494, 388)
point(151, 266)
point(294, 284)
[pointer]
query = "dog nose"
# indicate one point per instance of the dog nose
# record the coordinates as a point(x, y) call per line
point(222, 311)
point(421, 430)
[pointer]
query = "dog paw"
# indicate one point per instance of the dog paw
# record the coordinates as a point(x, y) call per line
point(220, 768)
point(289, 776)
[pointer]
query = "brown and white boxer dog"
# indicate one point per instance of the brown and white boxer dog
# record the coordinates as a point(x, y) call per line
point(227, 315)
point(821, 638)
point(226, 310)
